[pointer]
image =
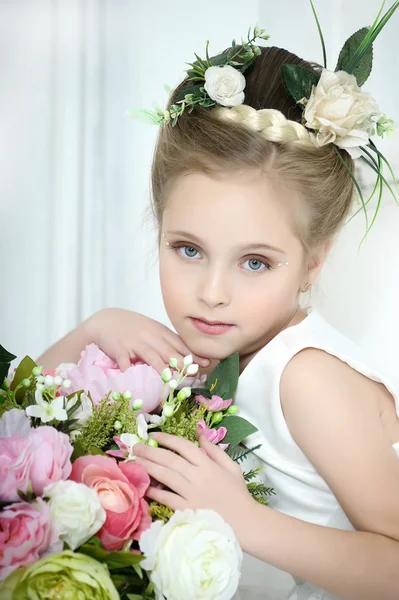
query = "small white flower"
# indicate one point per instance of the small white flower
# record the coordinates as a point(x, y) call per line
point(192, 369)
point(47, 411)
point(340, 113)
point(188, 360)
point(225, 85)
point(76, 511)
point(155, 420)
point(206, 557)
point(66, 384)
point(142, 428)
point(83, 411)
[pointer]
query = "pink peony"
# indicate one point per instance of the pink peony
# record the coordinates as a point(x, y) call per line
point(100, 375)
point(25, 533)
point(120, 489)
point(51, 452)
point(40, 458)
point(215, 404)
point(213, 435)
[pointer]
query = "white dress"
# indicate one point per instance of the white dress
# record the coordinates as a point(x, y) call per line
point(300, 490)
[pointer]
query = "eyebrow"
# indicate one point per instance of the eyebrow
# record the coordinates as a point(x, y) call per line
point(248, 247)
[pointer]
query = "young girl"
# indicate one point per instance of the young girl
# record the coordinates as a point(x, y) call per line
point(248, 204)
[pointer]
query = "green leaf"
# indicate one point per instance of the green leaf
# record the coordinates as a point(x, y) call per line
point(237, 429)
point(5, 356)
point(298, 81)
point(114, 560)
point(220, 59)
point(362, 69)
point(223, 380)
point(24, 371)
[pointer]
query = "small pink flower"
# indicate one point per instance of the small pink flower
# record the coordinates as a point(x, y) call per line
point(25, 533)
point(98, 374)
point(215, 404)
point(121, 489)
point(213, 435)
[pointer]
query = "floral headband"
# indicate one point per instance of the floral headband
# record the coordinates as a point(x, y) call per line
point(335, 109)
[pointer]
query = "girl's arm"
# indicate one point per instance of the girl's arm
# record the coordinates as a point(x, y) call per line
point(124, 336)
point(332, 413)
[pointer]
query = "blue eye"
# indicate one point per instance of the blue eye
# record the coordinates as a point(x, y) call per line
point(188, 251)
point(255, 264)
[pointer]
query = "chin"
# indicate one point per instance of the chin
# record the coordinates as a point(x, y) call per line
point(214, 349)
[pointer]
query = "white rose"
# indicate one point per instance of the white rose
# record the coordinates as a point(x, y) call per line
point(225, 85)
point(75, 510)
point(195, 555)
point(340, 112)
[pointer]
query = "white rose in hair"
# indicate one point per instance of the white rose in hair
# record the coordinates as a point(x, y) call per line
point(75, 510)
point(194, 555)
point(225, 85)
point(340, 112)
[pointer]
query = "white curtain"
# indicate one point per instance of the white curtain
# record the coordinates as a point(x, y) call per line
point(74, 183)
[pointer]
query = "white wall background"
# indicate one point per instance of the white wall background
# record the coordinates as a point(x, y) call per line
point(74, 170)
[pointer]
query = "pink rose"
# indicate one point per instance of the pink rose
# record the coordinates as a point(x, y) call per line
point(25, 533)
point(213, 435)
point(40, 458)
point(99, 374)
point(215, 404)
point(120, 489)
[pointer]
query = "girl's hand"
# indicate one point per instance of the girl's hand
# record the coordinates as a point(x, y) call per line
point(127, 337)
point(197, 480)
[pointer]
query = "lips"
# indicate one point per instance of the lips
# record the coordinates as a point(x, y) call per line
point(210, 327)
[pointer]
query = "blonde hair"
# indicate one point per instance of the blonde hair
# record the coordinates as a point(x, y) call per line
point(265, 133)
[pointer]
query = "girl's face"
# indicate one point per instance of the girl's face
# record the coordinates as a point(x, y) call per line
point(224, 246)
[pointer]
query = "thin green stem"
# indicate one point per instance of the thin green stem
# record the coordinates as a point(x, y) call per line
point(321, 35)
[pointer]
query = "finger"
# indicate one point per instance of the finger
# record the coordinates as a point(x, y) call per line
point(165, 458)
point(169, 499)
point(174, 481)
point(177, 343)
point(151, 357)
point(218, 455)
point(185, 448)
point(123, 361)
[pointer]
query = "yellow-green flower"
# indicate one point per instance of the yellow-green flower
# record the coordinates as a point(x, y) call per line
point(64, 576)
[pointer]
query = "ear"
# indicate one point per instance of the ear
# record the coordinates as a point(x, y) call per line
point(316, 261)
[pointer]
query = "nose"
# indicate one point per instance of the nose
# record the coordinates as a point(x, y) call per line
point(214, 289)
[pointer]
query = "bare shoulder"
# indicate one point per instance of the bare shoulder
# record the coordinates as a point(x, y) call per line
point(333, 414)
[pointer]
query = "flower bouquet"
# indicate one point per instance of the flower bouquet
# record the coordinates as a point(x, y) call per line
point(74, 518)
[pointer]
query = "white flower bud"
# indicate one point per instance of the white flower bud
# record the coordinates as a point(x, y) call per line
point(57, 380)
point(36, 371)
point(192, 369)
point(127, 395)
point(188, 360)
point(40, 379)
point(49, 380)
point(173, 363)
point(173, 384)
point(117, 425)
point(168, 410)
point(40, 387)
point(137, 404)
point(166, 375)
point(116, 395)
point(67, 383)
